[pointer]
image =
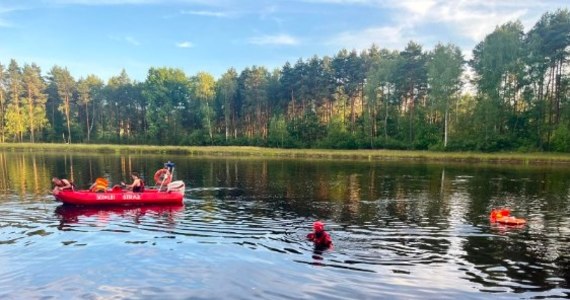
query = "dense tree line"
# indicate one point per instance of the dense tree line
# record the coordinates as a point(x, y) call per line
point(376, 98)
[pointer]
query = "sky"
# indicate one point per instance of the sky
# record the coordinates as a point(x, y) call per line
point(102, 37)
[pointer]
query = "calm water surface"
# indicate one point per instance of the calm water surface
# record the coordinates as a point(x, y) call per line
point(400, 231)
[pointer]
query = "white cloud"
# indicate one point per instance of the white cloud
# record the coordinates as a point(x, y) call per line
point(4, 23)
point(131, 40)
point(421, 8)
point(104, 2)
point(126, 2)
point(5, 11)
point(206, 13)
point(471, 20)
point(280, 39)
point(185, 44)
point(384, 37)
point(125, 39)
point(345, 2)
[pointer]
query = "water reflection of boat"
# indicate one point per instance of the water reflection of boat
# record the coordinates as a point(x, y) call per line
point(72, 214)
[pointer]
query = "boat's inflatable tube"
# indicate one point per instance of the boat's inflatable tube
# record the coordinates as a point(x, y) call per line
point(121, 197)
point(162, 177)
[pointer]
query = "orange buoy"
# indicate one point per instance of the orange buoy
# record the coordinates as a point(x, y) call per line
point(162, 177)
point(499, 213)
point(503, 216)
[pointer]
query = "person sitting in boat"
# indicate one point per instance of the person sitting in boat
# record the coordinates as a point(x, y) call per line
point(138, 184)
point(62, 184)
point(319, 236)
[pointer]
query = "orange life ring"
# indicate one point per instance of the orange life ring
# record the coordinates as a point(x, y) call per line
point(162, 177)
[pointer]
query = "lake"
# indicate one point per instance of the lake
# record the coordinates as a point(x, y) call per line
point(401, 230)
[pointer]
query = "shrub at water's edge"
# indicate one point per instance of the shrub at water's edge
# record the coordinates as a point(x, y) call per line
point(245, 151)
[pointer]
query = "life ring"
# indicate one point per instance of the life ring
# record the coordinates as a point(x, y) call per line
point(162, 177)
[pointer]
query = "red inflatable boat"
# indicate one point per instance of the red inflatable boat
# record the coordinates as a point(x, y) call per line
point(173, 194)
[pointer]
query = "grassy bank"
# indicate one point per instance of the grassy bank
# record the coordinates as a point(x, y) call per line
point(512, 158)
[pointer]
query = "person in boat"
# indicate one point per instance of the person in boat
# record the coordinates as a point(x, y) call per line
point(170, 167)
point(62, 184)
point(138, 184)
point(319, 236)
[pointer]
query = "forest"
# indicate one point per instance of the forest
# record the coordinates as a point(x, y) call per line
point(512, 95)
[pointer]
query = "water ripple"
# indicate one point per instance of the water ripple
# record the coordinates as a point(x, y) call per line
point(212, 236)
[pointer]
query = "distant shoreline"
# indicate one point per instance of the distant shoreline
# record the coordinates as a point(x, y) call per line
point(326, 154)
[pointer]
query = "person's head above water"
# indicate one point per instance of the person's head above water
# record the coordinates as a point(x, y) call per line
point(318, 226)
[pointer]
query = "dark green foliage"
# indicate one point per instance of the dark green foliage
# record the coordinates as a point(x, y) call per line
point(167, 92)
point(196, 138)
point(338, 138)
point(561, 139)
point(428, 136)
point(307, 130)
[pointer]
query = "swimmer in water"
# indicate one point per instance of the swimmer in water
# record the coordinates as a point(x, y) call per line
point(319, 236)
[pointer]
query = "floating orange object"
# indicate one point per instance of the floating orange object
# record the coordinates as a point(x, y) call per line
point(503, 216)
point(499, 213)
point(511, 221)
point(100, 185)
point(162, 177)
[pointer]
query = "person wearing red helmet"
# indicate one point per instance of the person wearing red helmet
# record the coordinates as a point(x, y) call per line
point(319, 236)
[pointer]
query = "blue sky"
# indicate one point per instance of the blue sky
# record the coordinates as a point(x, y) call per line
point(102, 37)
